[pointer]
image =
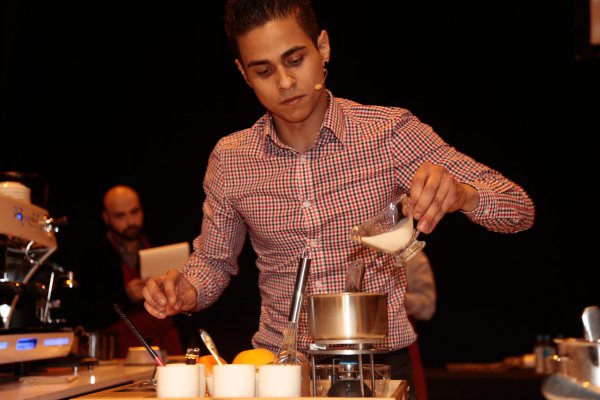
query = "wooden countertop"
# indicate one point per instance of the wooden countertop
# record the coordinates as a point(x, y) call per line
point(396, 391)
point(54, 387)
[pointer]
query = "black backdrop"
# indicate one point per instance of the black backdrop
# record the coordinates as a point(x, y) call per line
point(99, 93)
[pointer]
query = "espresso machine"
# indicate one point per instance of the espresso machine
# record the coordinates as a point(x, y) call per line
point(28, 330)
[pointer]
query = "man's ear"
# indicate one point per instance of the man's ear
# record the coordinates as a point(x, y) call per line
point(240, 68)
point(105, 217)
point(323, 46)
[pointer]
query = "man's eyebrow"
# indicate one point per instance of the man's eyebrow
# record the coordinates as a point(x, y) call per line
point(287, 53)
point(292, 51)
point(257, 62)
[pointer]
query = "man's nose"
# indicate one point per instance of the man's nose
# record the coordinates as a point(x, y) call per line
point(130, 219)
point(286, 80)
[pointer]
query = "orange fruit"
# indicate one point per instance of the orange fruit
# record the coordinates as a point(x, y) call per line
point(257, 357)
point(208, 361)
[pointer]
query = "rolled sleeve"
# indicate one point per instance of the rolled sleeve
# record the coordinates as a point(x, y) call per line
point(216, 249)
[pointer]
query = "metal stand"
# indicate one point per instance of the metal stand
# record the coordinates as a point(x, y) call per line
point(359, 350)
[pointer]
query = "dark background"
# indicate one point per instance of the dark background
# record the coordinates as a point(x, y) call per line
point(99, 93)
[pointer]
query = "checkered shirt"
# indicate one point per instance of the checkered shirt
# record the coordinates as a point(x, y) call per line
point(286, 200)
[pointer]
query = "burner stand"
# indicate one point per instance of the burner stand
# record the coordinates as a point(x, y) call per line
point(358, 349)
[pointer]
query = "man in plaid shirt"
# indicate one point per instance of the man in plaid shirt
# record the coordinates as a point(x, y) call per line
point(311, 168)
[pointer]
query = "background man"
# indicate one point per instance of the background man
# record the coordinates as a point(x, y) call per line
point(109, 273)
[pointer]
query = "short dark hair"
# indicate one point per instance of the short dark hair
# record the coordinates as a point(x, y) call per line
point(241, 16)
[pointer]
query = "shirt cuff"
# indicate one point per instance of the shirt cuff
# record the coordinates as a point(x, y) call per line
point(195, 281)
point(485, 208)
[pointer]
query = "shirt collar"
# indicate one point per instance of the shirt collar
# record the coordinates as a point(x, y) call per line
point(332, 122)
point(334, 119)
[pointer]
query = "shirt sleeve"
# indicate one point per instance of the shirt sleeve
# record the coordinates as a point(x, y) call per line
point(504, 206)
point(216, 250)
point(420, 298)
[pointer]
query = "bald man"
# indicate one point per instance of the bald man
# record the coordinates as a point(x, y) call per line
point(124, 217)
point(110, 274)
point(123, 212)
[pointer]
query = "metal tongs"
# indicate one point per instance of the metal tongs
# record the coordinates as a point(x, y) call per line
point(354, 276)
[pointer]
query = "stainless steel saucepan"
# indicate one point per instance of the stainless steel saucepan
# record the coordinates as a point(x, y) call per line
point(347, 318)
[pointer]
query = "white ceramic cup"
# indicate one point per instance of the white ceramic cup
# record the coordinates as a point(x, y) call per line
point(277, 380)
point(234, 380)
point(179, 381)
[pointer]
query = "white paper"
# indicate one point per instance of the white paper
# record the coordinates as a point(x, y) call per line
point(157, 260)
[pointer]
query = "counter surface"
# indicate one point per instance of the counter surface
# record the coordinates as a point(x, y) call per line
point(100, 377)
point(396, 391)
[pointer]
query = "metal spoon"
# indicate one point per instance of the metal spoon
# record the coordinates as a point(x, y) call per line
point(210, 345)
point(591, 323)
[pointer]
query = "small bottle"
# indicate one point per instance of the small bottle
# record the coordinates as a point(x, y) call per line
point(191, 355)
point(549, 353)
point(538, 352)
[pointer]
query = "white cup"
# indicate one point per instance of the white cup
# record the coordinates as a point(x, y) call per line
point(234, 380)
point(277, 380)
point(180, 381)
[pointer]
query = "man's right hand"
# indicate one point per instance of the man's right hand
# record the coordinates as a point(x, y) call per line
point(169, 294)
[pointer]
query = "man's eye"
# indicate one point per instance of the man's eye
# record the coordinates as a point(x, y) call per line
point(295, 61)
point(263, 72)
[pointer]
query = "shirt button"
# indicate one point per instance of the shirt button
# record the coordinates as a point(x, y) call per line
point(306, 204)
point(303, 159)
point(318, 284)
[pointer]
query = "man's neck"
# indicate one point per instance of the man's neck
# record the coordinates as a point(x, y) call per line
point(302, 139)
point(302, 135)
